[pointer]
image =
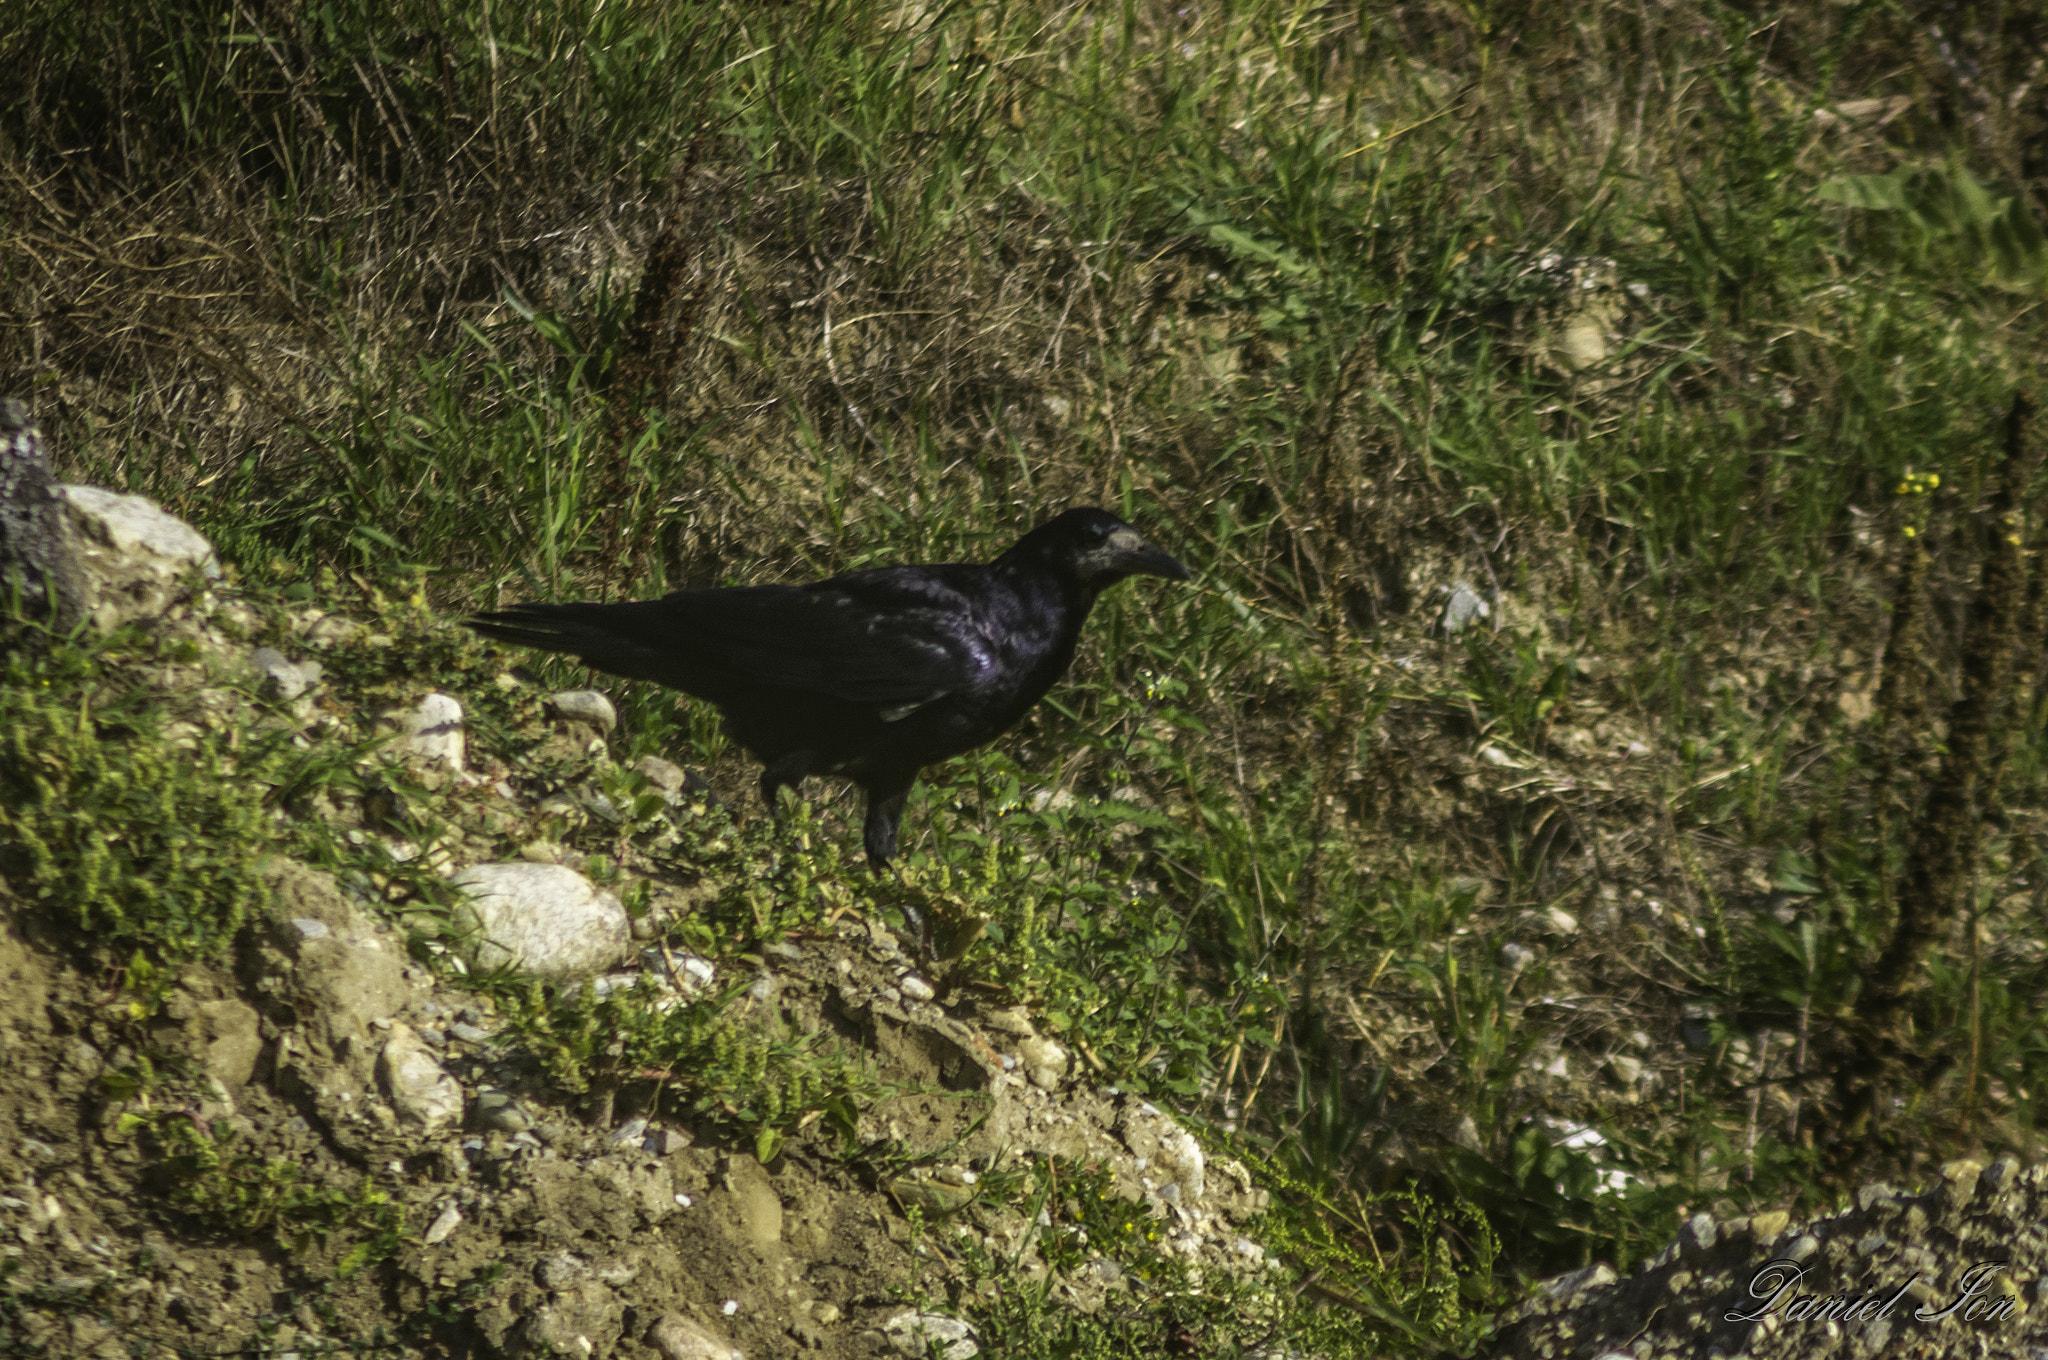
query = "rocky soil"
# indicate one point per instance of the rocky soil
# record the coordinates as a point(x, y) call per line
point(481, 1210)
point(1960, 1269)
point(529, 1231)
point(332, 1139)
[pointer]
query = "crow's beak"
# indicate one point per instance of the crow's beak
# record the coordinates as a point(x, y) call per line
point(1133, 556)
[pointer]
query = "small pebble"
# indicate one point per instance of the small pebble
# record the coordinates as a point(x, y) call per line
point(445, 1223)
point(586, 706)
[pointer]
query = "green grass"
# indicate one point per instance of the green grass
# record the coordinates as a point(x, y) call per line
point(131, 835)
point(1624, 320)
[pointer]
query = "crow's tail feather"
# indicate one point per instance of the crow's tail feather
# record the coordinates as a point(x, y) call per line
point(609, 637)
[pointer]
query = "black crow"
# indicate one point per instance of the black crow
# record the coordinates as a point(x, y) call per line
point(872, 675)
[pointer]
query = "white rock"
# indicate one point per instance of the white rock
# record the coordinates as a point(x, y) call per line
point(276, 678)
point(1045, 1062)
point(678, 1338)
point(1591, 1277)
point(327, 631)
point(1181, 1157)
point(665, 775)
point(1624, 1069)
point(420, 1091)
point(543, 918)
point(136, 558)
point(446, 1222)
point(1463, 607)
point(693, 976)
point(586, 706)
point(912, 1334)
point(433, 731)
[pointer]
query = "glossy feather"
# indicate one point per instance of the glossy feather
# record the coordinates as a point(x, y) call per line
point(871, 675)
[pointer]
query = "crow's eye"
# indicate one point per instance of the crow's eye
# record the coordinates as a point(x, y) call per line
point(1099, 530)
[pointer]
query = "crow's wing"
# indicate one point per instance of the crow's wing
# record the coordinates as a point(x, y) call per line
point(897, 638)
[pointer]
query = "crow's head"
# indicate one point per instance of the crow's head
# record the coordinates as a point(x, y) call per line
point(1095, 548)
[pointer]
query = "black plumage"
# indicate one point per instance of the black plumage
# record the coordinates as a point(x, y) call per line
point(872, 675)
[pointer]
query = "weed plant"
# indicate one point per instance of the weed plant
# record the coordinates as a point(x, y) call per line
point(1631, 324)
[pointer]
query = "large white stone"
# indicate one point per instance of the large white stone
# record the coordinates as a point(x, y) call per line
point(136, 559)
point(433, 731)
point(678, 1338)
point(543, 918)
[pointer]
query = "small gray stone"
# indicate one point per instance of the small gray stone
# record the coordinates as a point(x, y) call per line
point(1462, 607)
point(444, 1223)
point(420, 1091)
point(276, 678)
point(1180, 1157)
point(499, 1112)
point(1010, 1020)
point(560, 1269)
point(912, 1334)
point(1045, 1062)
point(1626, 1071)
point(665, 775)
point(666, 1142)
point(585, 706)
point(330, 631)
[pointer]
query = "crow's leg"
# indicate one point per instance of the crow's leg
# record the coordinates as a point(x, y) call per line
point(885, 810)
point(787, 772)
